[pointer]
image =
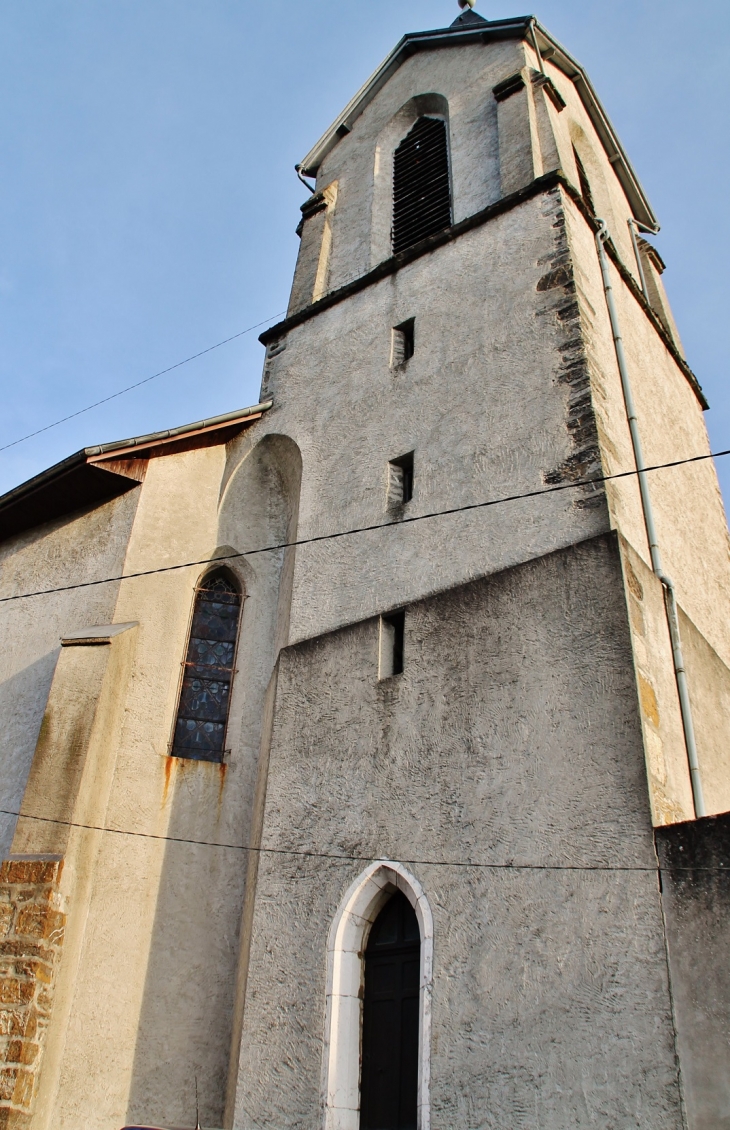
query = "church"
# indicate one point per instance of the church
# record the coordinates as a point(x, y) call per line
point(365, 757)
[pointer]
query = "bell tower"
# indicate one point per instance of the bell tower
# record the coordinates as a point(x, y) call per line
point(505, 672)
point(365, 751)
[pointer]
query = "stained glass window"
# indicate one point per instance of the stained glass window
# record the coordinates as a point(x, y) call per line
point(202, 715)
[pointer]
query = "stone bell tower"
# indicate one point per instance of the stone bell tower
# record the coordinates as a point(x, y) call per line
point(480, 711)
point(364, 752)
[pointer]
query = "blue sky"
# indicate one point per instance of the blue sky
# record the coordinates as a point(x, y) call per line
point(148, 200)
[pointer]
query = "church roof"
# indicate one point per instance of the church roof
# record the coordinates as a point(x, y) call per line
point(466, 31)
point(97, 474)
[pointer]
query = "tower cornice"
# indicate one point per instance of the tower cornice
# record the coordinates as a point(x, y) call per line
point(390, 266)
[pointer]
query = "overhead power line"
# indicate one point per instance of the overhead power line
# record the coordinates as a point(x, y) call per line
point(367, 529)
point(138, 384)
point(348, 858)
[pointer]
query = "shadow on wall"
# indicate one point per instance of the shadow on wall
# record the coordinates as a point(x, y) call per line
point(22, 700)
point(188, 1003)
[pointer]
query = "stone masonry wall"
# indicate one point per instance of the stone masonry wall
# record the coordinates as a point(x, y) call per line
point(31, 932)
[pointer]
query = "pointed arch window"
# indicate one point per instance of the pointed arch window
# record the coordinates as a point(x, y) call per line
point(202, 713)
point(421, 189)
point(390, 1023)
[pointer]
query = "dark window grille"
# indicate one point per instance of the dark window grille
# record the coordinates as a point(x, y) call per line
point(389, 1089)
point(202, 714)
point(421, 192)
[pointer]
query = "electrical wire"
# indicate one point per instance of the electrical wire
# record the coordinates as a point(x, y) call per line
point(344, 856)
point(366, 529)
point(114, 395)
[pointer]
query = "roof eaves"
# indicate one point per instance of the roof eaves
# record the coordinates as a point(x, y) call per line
point(500, 29)
point(225, 420)
point(411, 42)
point(554, 53)
point(84, 478)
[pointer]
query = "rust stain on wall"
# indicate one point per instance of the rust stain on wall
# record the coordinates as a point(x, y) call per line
point(222, 771)
point(168, 774)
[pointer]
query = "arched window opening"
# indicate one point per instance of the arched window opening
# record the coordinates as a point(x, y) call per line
point(421, 191)
point(390, 1036)
point(202, 714)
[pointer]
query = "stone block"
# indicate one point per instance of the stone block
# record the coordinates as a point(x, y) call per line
point(13, 991)
point(14, 1119)
point(23, 1092)
point(39, 970)
point(8, 1078)
point(21, 1051)
point(29, 870)
point(11, 1119)
point(14, 1022)
point(40, 922)
point(14, 948)
point(6, 918)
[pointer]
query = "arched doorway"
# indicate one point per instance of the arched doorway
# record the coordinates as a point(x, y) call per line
point(389, 1086)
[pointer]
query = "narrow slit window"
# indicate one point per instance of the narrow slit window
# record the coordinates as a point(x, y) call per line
point(400, 480)
point(421, 189)
point(403, 343)
point(585, 187)
point(202, 713)
point(392, 635)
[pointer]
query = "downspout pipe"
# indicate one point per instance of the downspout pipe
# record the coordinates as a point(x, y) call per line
point(670, 599)
point(536, 46)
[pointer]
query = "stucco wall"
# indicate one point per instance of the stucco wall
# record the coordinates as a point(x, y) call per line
point(147, 985)
point(688, 508)
point(465, 79)
point(153, 993)
point(487, 402)
point(80, 548)
point(696, 888)
point(510, 749)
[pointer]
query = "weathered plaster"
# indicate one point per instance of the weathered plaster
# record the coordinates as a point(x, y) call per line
point(82, 548)
point(467, 89)
point(519, 765)
point(505, 770)
point(695, 891)
point(485, 403)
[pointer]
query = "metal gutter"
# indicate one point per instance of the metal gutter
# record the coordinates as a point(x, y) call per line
point(670, 595)
point(552, 52)
point(174, 433)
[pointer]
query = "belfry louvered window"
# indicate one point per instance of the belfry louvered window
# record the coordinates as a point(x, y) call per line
point(202, 714)
point(421, 193)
